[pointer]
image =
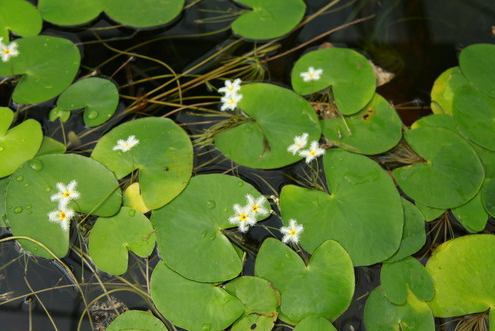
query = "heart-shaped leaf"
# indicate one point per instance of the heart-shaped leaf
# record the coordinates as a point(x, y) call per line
point(72, 12)
point(478, 65)
point(314, 323)
point(443, 91)
point(323, 287)
point(163, 157)
point(136, 320)
point(472, 215)
point(20, 17)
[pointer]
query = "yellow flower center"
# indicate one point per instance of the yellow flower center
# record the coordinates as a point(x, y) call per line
point(231, 101)
point(6, 51)
point(311, 74)
point(255, 208)
point(313, 153)
point(243, 217)
point(66, 194)
point(292, 232)
point(231, 88)
point(61, 215)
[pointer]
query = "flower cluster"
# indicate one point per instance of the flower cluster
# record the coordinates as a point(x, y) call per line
point(8, 50)
point(245, 216)
point(63, 214)
point(231, 96)
point(292, 232)
point(126, 145)
point(311, 74)
point(310, 154)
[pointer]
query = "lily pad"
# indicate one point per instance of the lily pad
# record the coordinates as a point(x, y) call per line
point(136, 320)
point(74, 12)
point(462, 272)
point(48, 65)
point(20, 17)
point(314, 323)
point(443, 91)
point(198, 215)
point(268, 19)
point(406, 275)
point(436, 121)
point(382, 315)
point(323, 287)
point(18, 144)
point(451, 175)
point(363, 212)
point(111, 237)
point(277, 115)
point(260, 300)
point(195, 306)
point(97, 96)
point(472, 215)
point(375, 129)
point(31, 186)
point(133, 198)
point(430, 213)
point(51, 146)
point(478, 65)
point(350, 75)
point(163, 157)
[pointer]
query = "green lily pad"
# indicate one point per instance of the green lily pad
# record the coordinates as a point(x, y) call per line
point(413, 235)
point(474, 114)
point(452, 174)
point(18, 144)
point(323, 287)
point(51, 146)
point(111, 237)
point(268, 19)
point(443, 91)
point(406, 275)
point(436, 121)
point(72, 12)
point(375, 129)
point(31, 186)
point(20, 17)
point(260, 300)
point(195, 306)
point(136, 320)
point(462, 272)
point(429, 213)
point(477, 64)
point(472, 215)
point(163, 156)
point(3, 193)
point(277, 115)
point(363, 212)
point(382, 315)
point(212, 258)
point(97, 96)
point(314, 323)
point(49, 65)
point(350, 75)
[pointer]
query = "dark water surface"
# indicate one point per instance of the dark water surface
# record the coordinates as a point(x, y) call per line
point(416, 40)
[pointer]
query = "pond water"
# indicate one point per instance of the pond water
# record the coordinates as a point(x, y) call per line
point(415, 39)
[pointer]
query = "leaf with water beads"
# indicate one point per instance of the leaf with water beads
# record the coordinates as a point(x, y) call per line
point(136, 320)
point(20, 17)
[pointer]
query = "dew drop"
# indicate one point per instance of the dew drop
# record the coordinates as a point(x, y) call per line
point(36, 165)
point(18, 210)
point(225, 209)
point(206, 327)
point(29, 212)
point(211, 204)
point(19, 178)
point(241, 184)
point(35, 249)
point(48, 189)
point(132, 212)
point(92, 115)
point(29, 207)
point(1, 148)
point(26, 185)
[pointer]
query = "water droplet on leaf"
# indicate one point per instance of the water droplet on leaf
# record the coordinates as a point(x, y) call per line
point(18, 210)
point(206, 327)
point(132, 212)
point(26, 185)
point(92, 115)
point(204, 233)
point(29, 207)
point(241, 184)
point(48, 189)
point(19, 178)
point(1, 148)
point(36, 165)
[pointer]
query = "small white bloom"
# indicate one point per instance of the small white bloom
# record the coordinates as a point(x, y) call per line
point(311, 74)
point(62, 216)
point(126, 145)
point(244, 217)
point(299, 143)
point(292, 232)
point(313, 152)
point(231, 87)
point(257, 205)
point(230, 101)
point(65, 193)
point(8, 51)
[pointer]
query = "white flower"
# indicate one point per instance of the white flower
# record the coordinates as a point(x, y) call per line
point(257, 205)
point(311, 74)
point(126, 145)
point(292, 232)
point(313, 152)
point(62, 216)
point(230, 101)
point(65, 193)
point(8, 51)
point(243, 217)
point(299, 143)
point(231, 87)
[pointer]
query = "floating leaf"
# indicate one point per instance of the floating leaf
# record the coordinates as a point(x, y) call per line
point(31, 186)
point(323, 287)
point(51, 146)
point(163, 157)
point(314, 323)
point(430, 213)
point(382, 315)
point(277, 115)
point(97, 96)
point(74, 12)
point(49, 65)
point(375, 129)
point(20, 17)
point(268, 19)
point(134, 199)
point(478, 65)
point(18, 144)
point(363, 212)
point(462, 272)
point(136, 320)
point(452, 174)
point(443, 91)
point(212, 258)
point(195, 306)
point(472, 215)
point(111, 237)
point(349, 74)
